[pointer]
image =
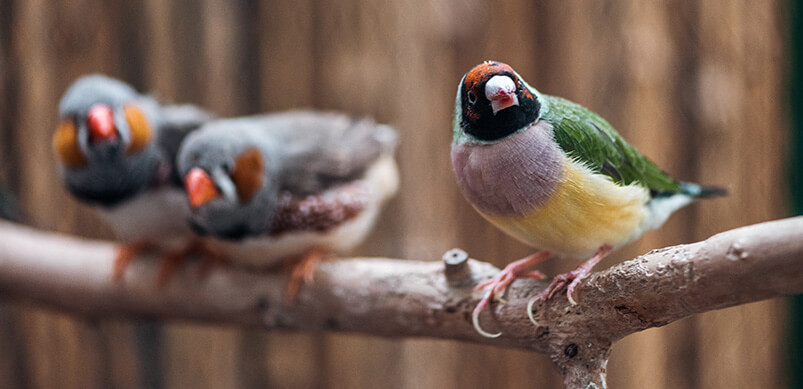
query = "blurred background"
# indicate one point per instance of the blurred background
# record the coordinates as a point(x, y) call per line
point(702, 88)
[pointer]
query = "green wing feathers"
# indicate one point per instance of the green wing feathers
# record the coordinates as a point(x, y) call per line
point(587, 137)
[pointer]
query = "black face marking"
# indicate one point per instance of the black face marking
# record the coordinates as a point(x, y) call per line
point(236, 233)
point(197, 228)
point(478, 117)
point(106, 198)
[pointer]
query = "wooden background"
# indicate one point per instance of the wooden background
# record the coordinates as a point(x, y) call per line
point(700, 87)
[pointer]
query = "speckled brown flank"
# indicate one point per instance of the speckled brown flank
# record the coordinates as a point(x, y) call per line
point(322, 212)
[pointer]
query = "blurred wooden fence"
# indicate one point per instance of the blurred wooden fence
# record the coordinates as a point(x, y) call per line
point(697, 86)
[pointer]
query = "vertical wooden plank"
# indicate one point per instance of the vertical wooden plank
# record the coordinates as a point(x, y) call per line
point(353, 72)
point(741, 143)
point(160, 55)
point(7, 94)
point(200, 357)
point(185, 30)
point(58, 349)
point(286, 56)
point(506, 32)
point(120, 357)
point(794, 366)
point(282, 360)
point(207, 51)
point(30, 47)
point(590, 55)
point(222, 51)
point(282, 78)
point(657, 75)
point(14, 370)
point(13, 365)
point(429, 203)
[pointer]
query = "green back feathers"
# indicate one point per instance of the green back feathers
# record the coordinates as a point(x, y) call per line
point(588, 138)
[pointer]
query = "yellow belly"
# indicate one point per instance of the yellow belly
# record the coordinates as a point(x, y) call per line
point(585, 212)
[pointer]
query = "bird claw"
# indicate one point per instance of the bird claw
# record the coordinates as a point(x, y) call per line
point(475, 316)
point(495, 287)
point(572, 278)
point(530, 310)
point(303, 272)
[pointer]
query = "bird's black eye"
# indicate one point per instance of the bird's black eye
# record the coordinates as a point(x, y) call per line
point(472, 98)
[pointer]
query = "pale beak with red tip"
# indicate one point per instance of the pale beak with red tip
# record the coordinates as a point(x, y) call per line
point(501, 92)
point(100, 121)
point(200, 187)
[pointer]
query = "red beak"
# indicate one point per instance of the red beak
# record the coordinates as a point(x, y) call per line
point(100, 121)
point(200, 187)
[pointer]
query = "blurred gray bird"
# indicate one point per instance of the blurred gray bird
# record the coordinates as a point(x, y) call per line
point(116, 149)
point(294, 185)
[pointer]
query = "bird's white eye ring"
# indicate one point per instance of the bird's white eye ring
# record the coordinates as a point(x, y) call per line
point(472, 98)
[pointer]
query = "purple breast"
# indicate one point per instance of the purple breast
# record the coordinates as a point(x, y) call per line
point(511, 177)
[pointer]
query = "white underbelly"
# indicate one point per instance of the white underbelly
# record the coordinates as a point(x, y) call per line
point(159, 216)
point(264, 252)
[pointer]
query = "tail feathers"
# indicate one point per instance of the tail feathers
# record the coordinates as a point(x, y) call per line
point(702, 191)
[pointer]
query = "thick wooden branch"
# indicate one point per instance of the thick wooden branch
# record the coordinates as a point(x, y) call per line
point(397, 298)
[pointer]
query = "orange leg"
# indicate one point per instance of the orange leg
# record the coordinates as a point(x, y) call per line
point(499, 282)
point(211, 258)
point(125, 255)
point(172, 261)
point(303, 272)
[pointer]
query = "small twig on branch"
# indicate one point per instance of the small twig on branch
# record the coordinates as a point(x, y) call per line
point(396, 298)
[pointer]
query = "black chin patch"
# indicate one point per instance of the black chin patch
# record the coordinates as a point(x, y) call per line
point(489, 127)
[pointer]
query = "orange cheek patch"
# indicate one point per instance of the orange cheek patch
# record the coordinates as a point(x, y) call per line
point(65, 145)
point(247, 174)
point(140, 130)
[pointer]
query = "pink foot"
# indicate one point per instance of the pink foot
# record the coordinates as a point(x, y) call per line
point(572, 278)
point(126, 254)
point(499, 282)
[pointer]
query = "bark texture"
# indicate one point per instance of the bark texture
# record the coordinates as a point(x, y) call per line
point(405, 298)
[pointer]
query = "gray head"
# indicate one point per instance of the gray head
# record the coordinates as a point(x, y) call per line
point(105, 140)
point(231, 180)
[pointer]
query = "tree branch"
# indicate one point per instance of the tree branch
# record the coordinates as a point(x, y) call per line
point(398, 298)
